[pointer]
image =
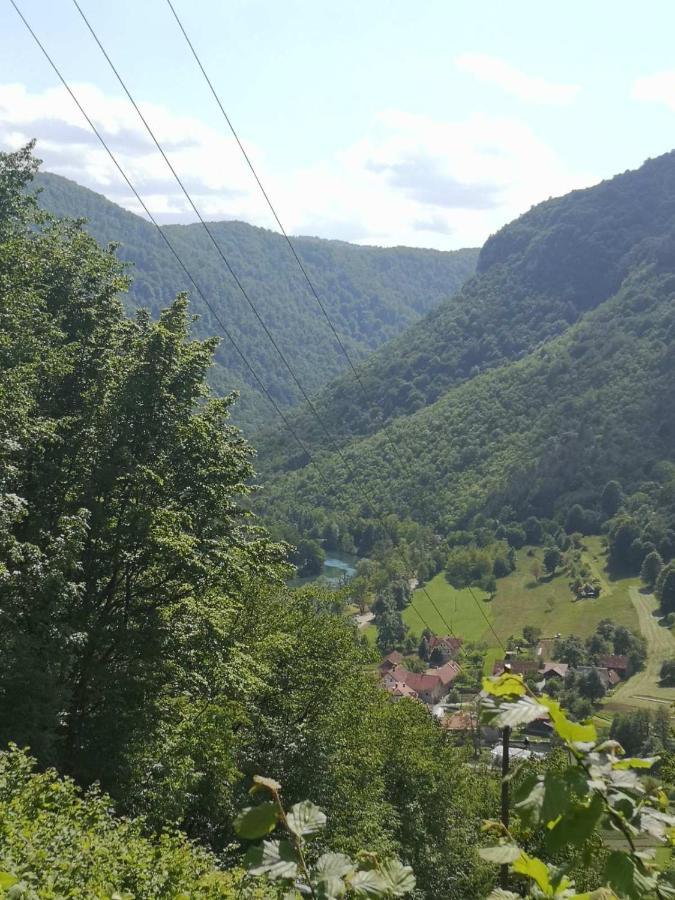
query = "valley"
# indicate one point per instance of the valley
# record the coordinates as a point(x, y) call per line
point(486, 520)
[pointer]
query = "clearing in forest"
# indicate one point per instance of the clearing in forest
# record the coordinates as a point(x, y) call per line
point(522, 600)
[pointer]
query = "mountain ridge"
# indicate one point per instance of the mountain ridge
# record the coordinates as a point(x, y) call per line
point(533, 433)
point(371, 293)
point(503, 312)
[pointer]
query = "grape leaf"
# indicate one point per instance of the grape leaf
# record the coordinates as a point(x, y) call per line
point(500, 854)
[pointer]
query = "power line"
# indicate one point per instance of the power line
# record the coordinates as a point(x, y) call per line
point(205, 300)
point(165, 239)
point(206, 227)
point(291, 246)
point(338, 450)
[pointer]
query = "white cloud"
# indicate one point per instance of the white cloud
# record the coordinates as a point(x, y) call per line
point(656, 88)
point(529, 88)
point(408, 179)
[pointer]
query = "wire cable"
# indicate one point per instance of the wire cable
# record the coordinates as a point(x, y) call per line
point(208, 230)
point(198, 289)
point(239, 284)
point(168, 243)
point(291, 246)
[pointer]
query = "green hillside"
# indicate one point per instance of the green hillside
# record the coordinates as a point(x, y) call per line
point(371, 293)
point(532, 436)
point(536, 278)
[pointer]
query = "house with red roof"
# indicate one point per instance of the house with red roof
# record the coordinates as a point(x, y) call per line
point(430, 686)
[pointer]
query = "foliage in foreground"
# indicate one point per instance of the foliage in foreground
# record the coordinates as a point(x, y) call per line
point(287, 863)
point(56, 841)
point(600, 787)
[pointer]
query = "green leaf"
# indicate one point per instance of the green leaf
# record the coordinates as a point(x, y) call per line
point(330, 888)
point(500, 854)
point(576, 826)
point(7, 880)
point(276, 859)
point(535, 869)
point(556, 798)
point(570, 732)
point(507, 685)
point(399, 879)
point(624, 876)
point(368, 883)
point(305, 818)
point(333, 865)
point(256, 821)
point(521, 712)
point(635, 762)
point(529, 808)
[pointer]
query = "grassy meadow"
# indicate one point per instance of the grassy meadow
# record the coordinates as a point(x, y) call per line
point(521, 600)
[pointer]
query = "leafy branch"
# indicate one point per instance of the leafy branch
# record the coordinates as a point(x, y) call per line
point(284, 861)
point(600, 787)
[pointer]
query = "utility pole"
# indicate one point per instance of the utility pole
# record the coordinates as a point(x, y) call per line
point(506, 734)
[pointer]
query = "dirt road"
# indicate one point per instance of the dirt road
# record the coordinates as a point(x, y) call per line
point(643, 688)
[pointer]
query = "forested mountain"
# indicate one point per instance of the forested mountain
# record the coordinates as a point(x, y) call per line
point(535, 279)
point(371, 293)
point(532, 435)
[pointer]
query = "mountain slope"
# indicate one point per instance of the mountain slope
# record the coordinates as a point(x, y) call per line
point(371, 293)
point(535, 278)
point(594, 404)
point(535, 434)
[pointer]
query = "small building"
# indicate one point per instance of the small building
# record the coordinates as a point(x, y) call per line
point(447, 643)
point(524, 667)
point(554, 670)
point(616, 663)
point(400, 690)
point(602, 672)
point(391, 661)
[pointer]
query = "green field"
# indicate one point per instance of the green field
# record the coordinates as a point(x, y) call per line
point(520, 601)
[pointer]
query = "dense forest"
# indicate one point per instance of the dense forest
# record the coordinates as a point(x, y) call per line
point(371, 293)
point(534, 436)
point(536, 279)
point(155, 663)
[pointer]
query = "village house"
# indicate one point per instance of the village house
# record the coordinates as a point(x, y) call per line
point(617, 664)
point(554, 670)
point(390, 662)
point(451, 645)
point(524, 667)
point(430, 687)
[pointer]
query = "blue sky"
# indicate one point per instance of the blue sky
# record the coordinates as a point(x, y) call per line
point(424, 123)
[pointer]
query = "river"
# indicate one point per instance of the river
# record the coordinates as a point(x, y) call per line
point(336, 566)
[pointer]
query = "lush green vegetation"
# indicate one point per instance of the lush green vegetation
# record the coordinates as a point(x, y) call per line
point(371, 293)
point(536, 279)
point(521, 600)
point(56, 841)
point(148, 641)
